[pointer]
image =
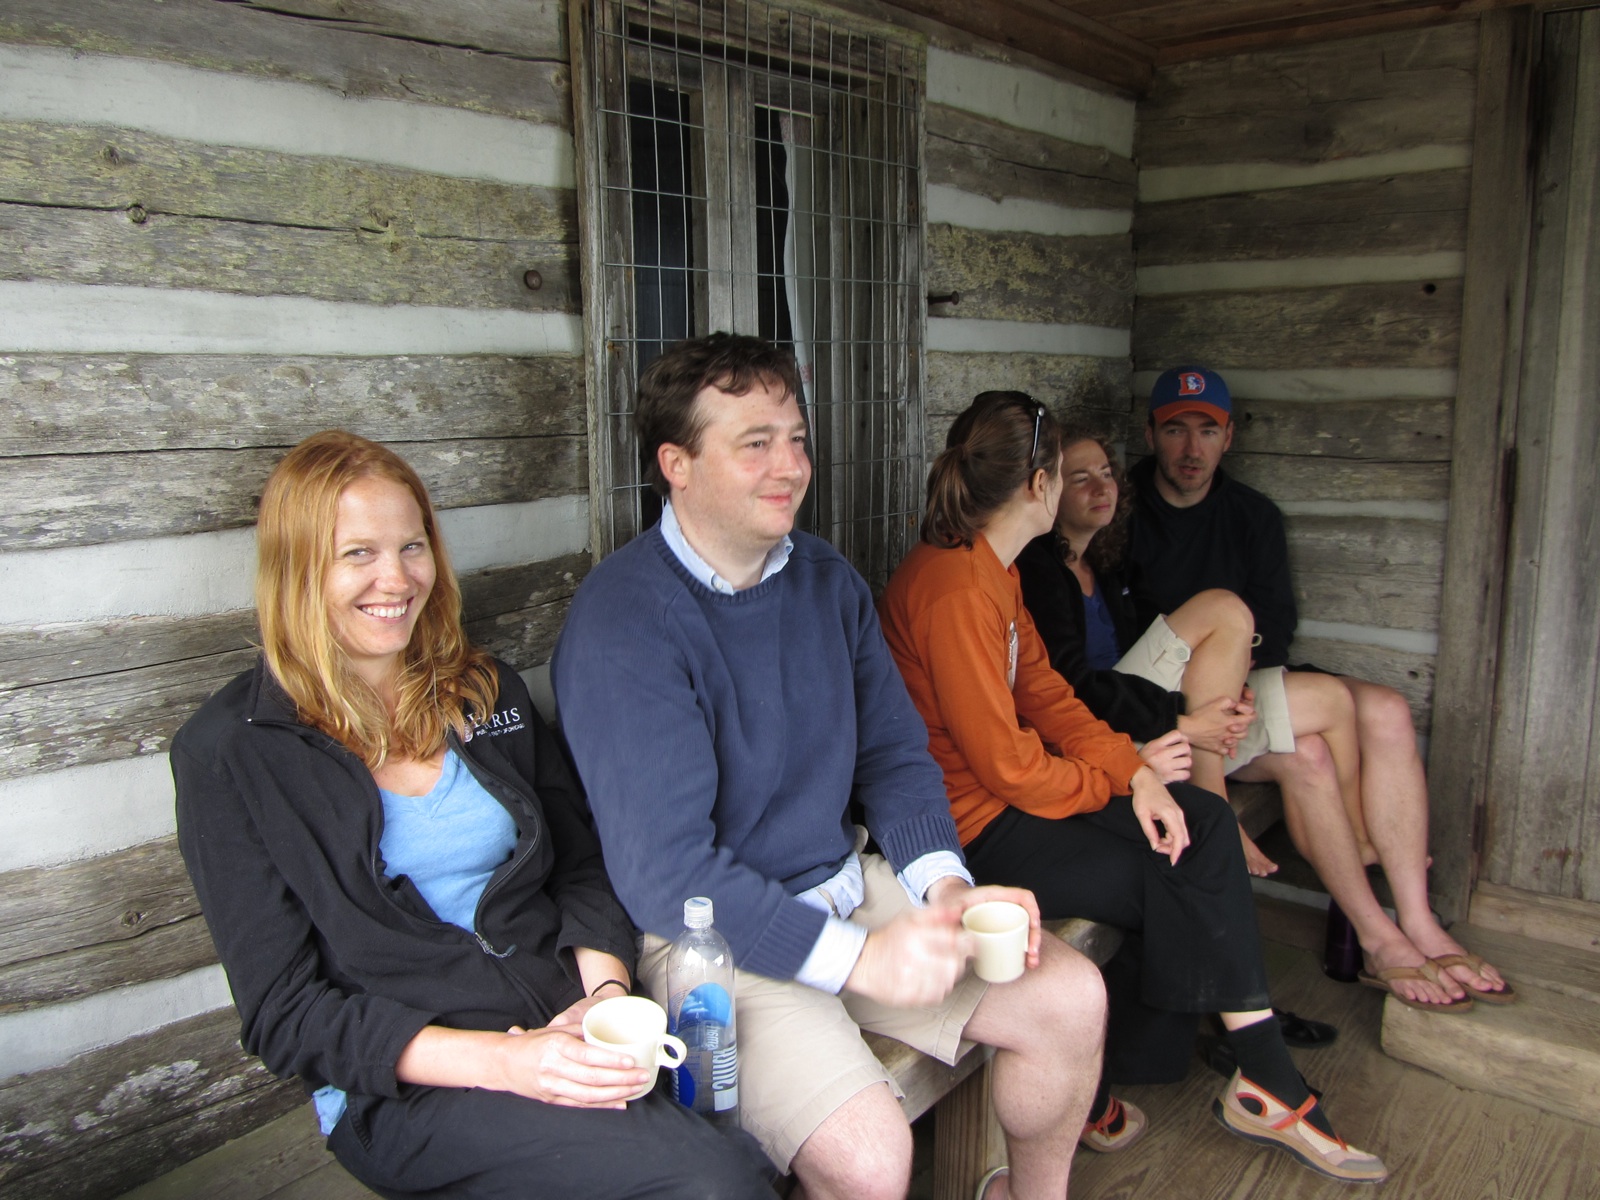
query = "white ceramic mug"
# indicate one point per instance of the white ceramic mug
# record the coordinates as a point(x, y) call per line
point(635, 1026)
point(1000, 929)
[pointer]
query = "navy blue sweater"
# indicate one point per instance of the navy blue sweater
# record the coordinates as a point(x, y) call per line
point(722, 737)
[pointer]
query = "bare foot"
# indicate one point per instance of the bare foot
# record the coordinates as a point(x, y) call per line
point(1402, 953)
point(1256, 862)
point(1436, 943)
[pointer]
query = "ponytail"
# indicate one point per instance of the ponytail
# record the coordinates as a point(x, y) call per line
point(993, 449)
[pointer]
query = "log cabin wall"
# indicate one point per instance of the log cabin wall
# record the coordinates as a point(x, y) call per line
point(224, 227)
point(1030, 194)
point(1301, 229)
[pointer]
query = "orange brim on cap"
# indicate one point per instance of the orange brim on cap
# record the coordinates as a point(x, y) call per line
point(1167, 411)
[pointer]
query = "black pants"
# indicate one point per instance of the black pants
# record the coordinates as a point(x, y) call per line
point(1190, 943)
point(450, 1142)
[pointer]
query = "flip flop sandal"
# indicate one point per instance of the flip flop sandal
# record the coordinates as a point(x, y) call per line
point(1507, 995)
point(1384, 981)
point(1120, 1127)
point(989, 1177)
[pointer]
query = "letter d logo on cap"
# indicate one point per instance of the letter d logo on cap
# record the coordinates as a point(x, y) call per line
point(1191, 383)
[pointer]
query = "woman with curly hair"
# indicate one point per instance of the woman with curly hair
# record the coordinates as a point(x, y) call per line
point(1186, 673)
point(401, 878)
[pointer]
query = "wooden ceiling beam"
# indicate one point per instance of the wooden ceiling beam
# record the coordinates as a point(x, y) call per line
point(1051, 32)
point(1304, 29)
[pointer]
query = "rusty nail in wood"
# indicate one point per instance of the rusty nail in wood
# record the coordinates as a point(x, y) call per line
point(945, 298)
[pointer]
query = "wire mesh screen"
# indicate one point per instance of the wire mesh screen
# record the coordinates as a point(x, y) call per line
point(757, 170)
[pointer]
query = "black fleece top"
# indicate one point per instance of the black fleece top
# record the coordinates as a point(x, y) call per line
point(1232, 539)
point(1129, 704)
point(334, 966)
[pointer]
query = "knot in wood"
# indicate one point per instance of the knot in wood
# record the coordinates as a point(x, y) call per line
point(137, 214)
point(131, 918)
point(532, 280)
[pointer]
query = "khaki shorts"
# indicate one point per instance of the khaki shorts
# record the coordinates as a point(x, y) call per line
point(1161, 656)
point(801, 1055)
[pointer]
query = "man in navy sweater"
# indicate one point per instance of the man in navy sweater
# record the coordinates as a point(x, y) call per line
point(727, 693)
point(1195, 528)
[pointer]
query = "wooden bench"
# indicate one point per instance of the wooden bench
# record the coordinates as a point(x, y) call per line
point(286, 1160)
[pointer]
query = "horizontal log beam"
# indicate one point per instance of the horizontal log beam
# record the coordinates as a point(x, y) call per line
point(1357, 325)
point(141, 248)
point(1414, 213)
point(89, 404)
point(51, 910)
point(1367, 571)
point(990, 159)
point(1065, 382)
point(1340, 479)
point(521, 28)
point(1312, 104)
point(1389, 430)
point(113, 1118)
point(95, 168)
point(1032, 277)
point(75, 500)
point(161, 953)
point(273, 45)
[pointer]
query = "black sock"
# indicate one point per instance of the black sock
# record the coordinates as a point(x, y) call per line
point(1102, 1101)
point(1264, 1060)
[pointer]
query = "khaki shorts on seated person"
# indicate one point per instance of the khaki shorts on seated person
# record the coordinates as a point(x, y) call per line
point(801, 1055)
point(1161, 656)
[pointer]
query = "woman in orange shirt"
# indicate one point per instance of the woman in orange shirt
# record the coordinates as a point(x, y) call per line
point(1047, 797)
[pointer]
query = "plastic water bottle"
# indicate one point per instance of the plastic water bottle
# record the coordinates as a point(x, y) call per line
point(700, 1011)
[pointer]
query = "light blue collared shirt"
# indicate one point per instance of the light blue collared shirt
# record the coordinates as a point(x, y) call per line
point(839, 946)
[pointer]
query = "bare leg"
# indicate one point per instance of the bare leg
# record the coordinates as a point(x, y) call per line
point(1315, 706)
point(1394, 802)
point(1238, 1020)
point(862, 1150)
point(1218, 627)
point(1047, 1029)
point(1314, 811)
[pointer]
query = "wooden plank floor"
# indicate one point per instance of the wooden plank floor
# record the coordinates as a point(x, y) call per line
point(1441, 1142)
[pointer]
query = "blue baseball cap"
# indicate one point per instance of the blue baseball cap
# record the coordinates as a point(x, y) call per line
point(1190, 389)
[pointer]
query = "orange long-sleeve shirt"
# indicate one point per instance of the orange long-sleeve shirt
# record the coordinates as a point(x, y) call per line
point(949, 616)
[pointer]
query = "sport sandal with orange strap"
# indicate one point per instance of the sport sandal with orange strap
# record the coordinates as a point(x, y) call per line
point(1120, 1127)
point(1256, 1115)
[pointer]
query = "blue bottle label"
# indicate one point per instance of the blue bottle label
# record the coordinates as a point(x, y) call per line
point(708, 1080)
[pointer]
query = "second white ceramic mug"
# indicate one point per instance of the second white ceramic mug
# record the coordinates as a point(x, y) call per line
point(1001, 930)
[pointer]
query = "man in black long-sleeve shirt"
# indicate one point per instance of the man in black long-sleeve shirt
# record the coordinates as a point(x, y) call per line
point(1353, 786)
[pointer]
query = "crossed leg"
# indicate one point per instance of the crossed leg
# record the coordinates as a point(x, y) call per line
point(1047, 1029)
point(1219, 629)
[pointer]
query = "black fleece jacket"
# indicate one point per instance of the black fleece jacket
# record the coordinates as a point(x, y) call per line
point(1129, 704)
point(334, 966)
point(1232, 539)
